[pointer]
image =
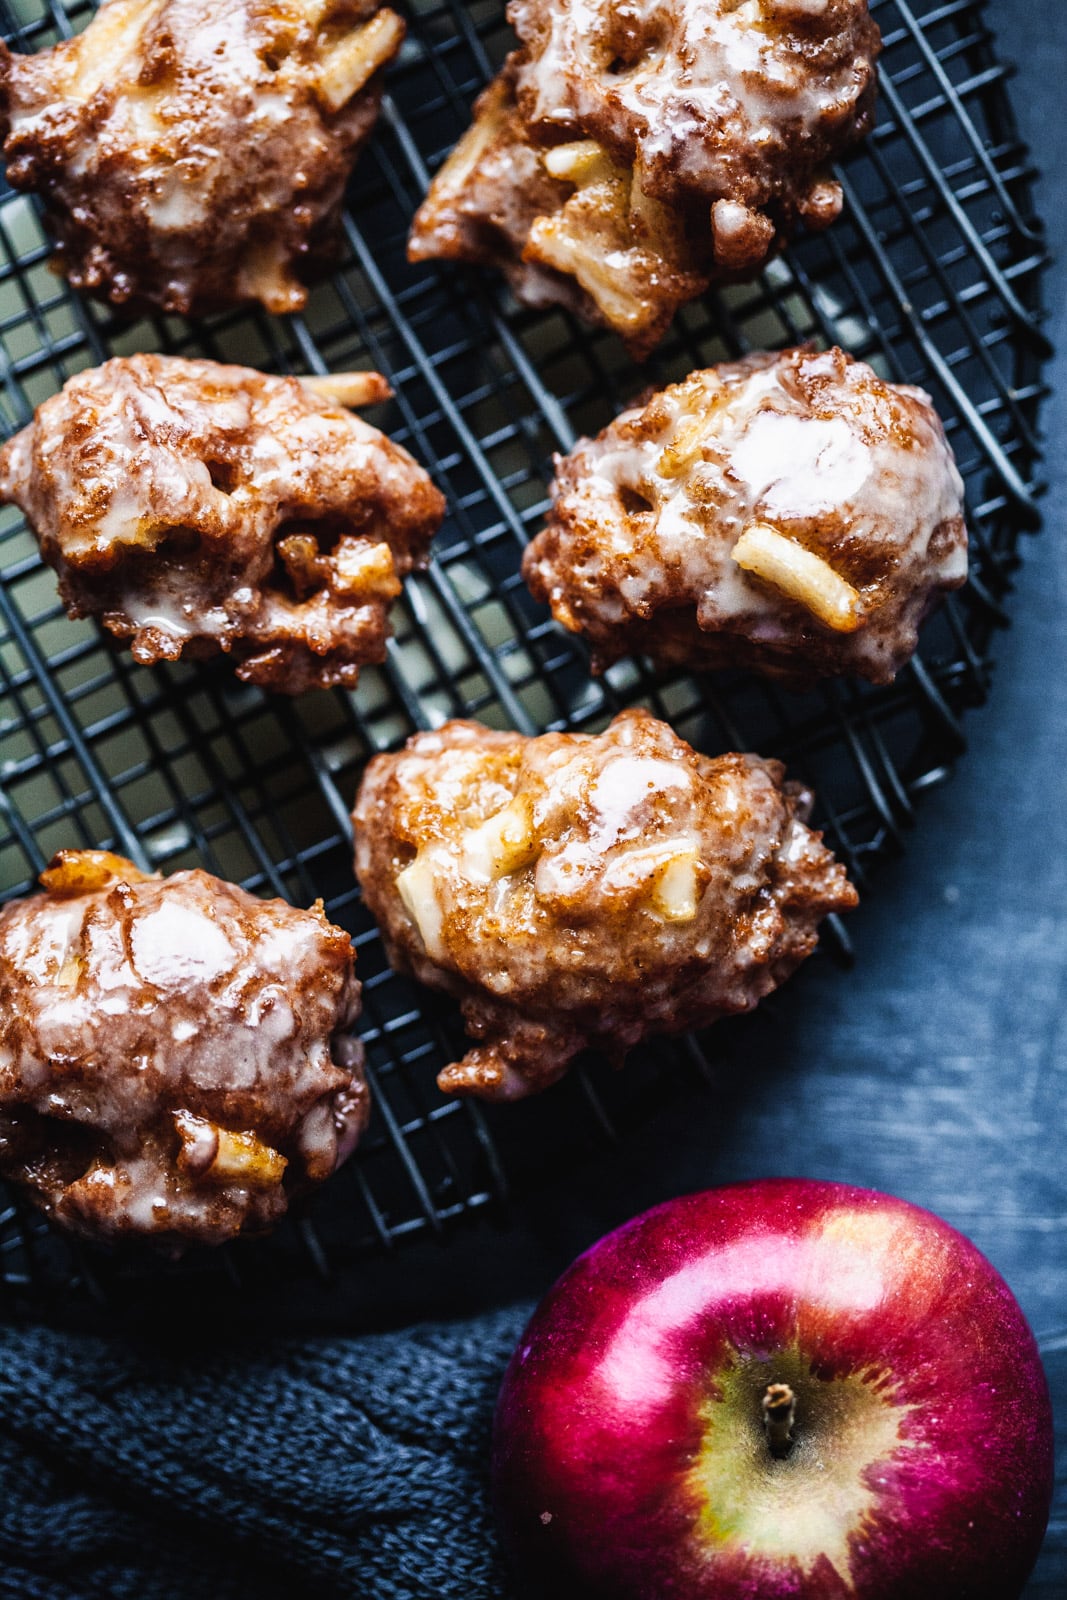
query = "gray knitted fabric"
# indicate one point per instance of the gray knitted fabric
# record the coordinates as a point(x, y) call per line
point(352, 1467)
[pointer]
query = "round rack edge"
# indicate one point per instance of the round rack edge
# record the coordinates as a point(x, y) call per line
point(933, 274)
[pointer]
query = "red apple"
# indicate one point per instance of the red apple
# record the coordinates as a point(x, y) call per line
point(777, 1391)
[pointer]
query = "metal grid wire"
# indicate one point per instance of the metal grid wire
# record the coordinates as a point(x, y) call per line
point(932, 275)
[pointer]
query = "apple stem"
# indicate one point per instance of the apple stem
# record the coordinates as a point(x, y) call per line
point(779, 1414)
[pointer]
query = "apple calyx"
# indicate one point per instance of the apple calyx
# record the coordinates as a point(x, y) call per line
point(779, 1414)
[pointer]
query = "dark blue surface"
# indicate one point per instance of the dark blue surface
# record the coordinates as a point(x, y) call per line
point(937, 1069)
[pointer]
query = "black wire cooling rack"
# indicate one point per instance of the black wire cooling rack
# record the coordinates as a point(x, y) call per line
point(933, 275)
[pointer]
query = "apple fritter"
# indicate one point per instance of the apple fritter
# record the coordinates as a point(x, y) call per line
point(192, 154)
point(577, 891)
point(176, 1056)
point(629, 155)
point(197, 508)
point(791, 513)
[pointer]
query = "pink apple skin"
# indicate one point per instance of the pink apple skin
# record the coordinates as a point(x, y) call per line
point(630, 1459)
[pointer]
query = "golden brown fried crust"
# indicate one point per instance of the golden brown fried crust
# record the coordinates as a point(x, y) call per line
point(192, 154)
point(175, 1055)
point(575, 891)
point(195, 508)
point(629, 155)
point(828, 467)
point(482, 209)
point(589, 248)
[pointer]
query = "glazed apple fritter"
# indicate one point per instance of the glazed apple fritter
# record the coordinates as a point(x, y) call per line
point(790, 513)
point(628, 155)
point(575, 890)
point(192, 154)
point(194, 508)
point(175, 1055)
